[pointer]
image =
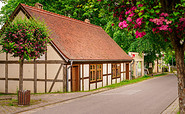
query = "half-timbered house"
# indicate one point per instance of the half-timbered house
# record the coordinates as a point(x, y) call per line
point(80, 57)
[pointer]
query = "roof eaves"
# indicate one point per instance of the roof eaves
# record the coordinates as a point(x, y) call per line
point(99, 60)
point(59, 51)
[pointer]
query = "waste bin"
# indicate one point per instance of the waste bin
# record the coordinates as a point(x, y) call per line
point(24, 97)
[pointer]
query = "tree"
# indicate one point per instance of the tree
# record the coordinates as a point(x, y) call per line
point(77, 9)
point(169, 58)
point(126, 39)
point(26, 39)
point(147, 44)
point(164, 19)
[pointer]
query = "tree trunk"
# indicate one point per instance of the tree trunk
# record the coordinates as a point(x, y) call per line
point(179, 53)
point(21, 75)
point(179, 56)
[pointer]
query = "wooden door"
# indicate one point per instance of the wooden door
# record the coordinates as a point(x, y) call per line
point(75, 78)
point(127, 71)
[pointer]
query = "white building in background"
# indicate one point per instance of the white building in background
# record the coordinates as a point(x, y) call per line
point(158, 65)
point(137, 65)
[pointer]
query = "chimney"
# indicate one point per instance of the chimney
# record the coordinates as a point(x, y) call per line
point(38, 5)
point(87, 21)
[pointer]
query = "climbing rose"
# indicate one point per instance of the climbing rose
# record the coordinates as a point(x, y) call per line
point(140, 34)
point(139, 21)
point(140, 5)
point(163, 27)
point(129, 19)
point(131, 15)
point(123, 24)
point(182, 19)
point(164, 14)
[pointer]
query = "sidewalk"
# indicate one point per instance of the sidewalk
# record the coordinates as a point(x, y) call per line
point(173, 108)
point(46, 99)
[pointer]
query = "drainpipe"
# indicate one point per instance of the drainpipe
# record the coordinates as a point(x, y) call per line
point(131, 68)
point(71, 61)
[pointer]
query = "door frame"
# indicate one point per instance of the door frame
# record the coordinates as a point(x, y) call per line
point(78, 65)
point(127, 71)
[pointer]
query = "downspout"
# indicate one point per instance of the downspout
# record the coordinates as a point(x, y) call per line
point(131, 68)
point(71, 61)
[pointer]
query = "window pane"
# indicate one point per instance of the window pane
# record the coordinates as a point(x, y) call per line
point(100, 74)
point(94, 66)
point(92, 72)
point(97, 75)
point(118, 70)
point(94, 75)
point(91, 75)
point(98, 66)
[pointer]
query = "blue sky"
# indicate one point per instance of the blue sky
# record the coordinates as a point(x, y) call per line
point(1, 4)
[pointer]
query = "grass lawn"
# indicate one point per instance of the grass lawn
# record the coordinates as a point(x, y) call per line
point(14, 102)
point(126, 82)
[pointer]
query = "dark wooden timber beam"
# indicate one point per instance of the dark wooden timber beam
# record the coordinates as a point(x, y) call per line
point(6, 75)
point(36, 62)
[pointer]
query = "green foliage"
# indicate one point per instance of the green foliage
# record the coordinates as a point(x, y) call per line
point(25, 38)
point(126, 82)
point(168, 58)
point(78, 9)
point(148, 45)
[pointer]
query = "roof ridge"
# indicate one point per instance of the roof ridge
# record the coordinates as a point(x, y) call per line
point(62, 16)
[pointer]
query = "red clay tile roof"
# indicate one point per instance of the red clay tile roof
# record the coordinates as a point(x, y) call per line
point(78, 40)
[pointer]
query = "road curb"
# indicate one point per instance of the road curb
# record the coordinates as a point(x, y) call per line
point(44, 105)
point(172, 108)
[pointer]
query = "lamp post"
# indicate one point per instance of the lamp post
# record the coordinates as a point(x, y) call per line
point(172, 62)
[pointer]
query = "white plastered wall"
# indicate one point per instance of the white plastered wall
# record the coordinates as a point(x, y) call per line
point(118, 80)
point(86, 74)
point(99, 84)
point(122, 70)
point(69, 77)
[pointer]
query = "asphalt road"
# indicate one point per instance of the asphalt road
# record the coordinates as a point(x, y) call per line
point(148, 97)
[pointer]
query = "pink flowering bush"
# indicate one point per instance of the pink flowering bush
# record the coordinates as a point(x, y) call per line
point(123, 24)
point(26, 39)
point(138, 15)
